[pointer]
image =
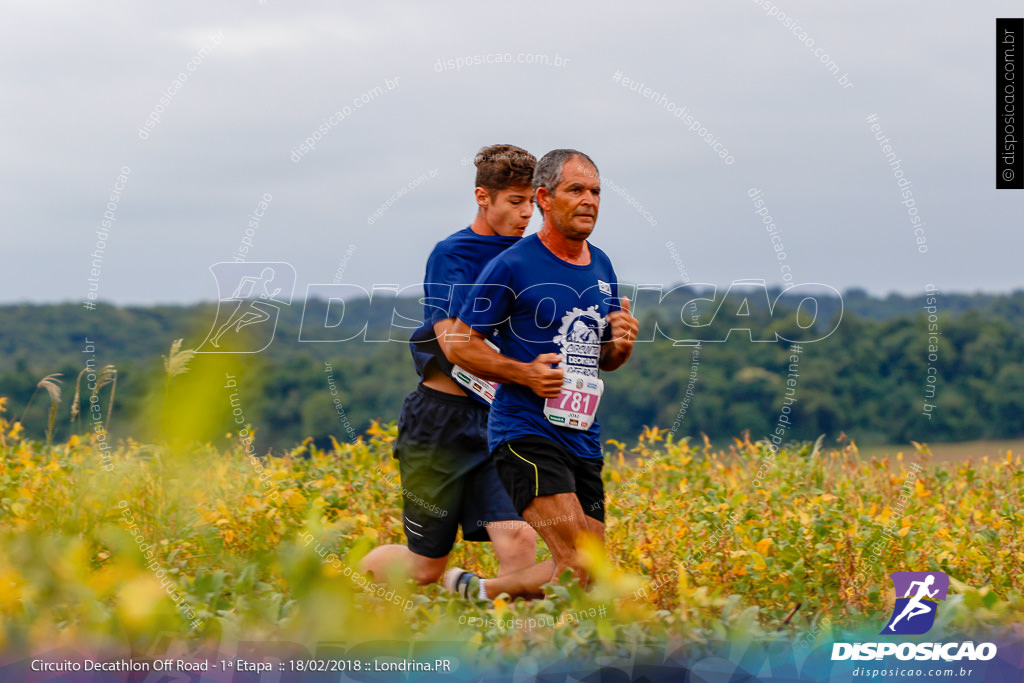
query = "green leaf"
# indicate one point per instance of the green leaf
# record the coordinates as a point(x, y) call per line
point(972, 599)
point(560, 591)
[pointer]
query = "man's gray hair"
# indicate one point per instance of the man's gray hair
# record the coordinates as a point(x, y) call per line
point(549, 169)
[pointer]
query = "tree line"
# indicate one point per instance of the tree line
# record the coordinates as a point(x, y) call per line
point(871, 376)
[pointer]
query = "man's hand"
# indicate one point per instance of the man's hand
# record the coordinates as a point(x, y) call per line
point(541, 378)
point(624, 328)
point(466, 347)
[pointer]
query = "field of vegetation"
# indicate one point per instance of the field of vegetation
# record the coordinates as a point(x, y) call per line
point(120, 547)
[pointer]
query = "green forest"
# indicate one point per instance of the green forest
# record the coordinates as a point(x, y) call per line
point(884, 372)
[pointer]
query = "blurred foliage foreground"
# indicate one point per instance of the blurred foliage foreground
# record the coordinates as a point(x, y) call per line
point(107, 548)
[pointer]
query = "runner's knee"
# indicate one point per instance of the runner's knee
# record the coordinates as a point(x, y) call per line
point(426, 575)
point(425, 571)
point(525, 535)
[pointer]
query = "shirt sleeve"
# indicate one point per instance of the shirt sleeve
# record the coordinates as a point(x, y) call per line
point(614, 303)
point(488, 302)
point(443, 271)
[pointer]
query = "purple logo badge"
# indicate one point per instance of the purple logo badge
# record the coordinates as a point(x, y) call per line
point(917, 600)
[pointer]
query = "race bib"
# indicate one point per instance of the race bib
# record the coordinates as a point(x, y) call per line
point(480, 387)
point(576, 405)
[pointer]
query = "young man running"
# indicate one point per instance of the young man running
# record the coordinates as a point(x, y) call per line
point(553, 298)
point(448, 476)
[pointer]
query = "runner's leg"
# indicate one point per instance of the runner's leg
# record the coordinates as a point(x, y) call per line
point(487, 504)
point(533, 470)
point(526, 583)
point(431, 490)
point(597, 528)
point(515, 545)
point(561, 523)
point(393, 560)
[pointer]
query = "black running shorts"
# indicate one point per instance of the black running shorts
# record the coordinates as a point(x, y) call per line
point(534, 466)
point(448, 476)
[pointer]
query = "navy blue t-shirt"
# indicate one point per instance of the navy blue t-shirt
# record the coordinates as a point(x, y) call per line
point(454, 264)
point(541, 304)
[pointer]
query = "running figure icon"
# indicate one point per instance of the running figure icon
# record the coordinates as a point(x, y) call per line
point(249, 312)
point(258, 290)
point(915, 606)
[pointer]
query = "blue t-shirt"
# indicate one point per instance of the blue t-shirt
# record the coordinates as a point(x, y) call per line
point(454, 264)
point(542, 304)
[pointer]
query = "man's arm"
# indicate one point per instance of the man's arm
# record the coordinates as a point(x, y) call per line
point(466, 347)
point(441, 330)
point(624, 328)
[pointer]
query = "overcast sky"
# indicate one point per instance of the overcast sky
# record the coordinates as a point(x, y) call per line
point(81, 80)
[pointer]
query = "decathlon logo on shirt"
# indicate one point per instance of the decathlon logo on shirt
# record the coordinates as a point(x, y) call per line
point(917, 601)
point(579, 340)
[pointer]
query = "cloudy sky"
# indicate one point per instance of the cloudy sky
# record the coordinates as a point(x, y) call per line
point(395, 97)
